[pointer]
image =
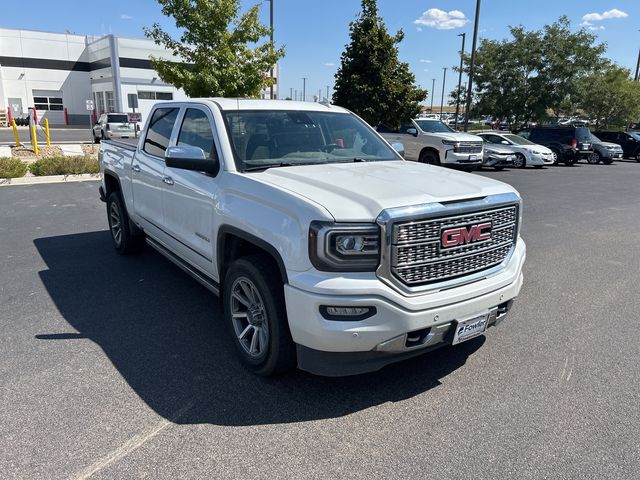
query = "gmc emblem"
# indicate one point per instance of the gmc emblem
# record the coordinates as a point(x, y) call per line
point(453, 237)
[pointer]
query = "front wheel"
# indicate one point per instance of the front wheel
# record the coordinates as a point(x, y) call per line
point(430, 158)
point(555, 154)
point(594, 158)
point(256, 315)
point(520, 161)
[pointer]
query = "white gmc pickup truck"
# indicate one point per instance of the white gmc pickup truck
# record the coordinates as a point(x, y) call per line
point(328, 250)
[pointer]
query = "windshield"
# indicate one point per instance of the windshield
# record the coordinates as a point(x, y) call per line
point(272, 138)
point(594, 138)
point(634, 135)
point(433, 126)
point(518, 140)
point(117, 118)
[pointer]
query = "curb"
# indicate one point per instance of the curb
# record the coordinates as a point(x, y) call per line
point(83, 177)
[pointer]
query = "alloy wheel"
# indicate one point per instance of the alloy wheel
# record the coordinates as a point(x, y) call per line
point(249, 318)
point(116, 223)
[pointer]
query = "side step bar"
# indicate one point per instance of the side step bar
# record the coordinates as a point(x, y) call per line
point(202, 278)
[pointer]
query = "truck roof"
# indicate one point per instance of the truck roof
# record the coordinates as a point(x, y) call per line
point(229, 104)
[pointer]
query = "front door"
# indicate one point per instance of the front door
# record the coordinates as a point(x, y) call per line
point(147, 171)
point(189, 197)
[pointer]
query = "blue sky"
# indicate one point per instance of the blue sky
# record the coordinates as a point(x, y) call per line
point(315, 32)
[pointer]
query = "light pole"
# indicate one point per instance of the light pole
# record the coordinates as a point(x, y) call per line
point(637, 67)
point(271, 37)
point(328, 94)
point(433, 87)
point(463, 35)
point(444, 79)
point(471, 66)
point(291, 93)
point(304, 89)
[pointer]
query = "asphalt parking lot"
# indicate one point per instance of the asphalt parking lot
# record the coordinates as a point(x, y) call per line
point(119, 367)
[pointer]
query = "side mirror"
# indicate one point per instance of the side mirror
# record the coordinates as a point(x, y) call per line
point(412, 131)
point(191, 158)
point(398, 147)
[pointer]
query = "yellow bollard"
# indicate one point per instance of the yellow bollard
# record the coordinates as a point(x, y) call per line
point(15, 133)
point(34, 139)
point(46, 131)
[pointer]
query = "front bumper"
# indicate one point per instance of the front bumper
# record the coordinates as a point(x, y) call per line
point(401, 326)
point(492, 160)
point(453, 158)
point(538, 159)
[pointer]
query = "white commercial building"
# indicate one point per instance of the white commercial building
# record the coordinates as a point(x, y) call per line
point(57, 73)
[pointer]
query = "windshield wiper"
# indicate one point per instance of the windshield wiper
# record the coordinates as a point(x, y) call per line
point(264, 166)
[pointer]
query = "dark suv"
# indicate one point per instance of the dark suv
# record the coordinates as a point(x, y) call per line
point(568, 144)
point(629, 141)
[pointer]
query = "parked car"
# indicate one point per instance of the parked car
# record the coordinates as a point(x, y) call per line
point(328, 250)
point(605, 152)
point(629, 141)
point(113, 125)
point(568, 144)
point(433, 142)
point(497, 156)
point(526, 152)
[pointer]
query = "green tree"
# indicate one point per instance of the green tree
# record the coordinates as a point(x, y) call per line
point(371, 81)
point(522, 77)
point(610, 96)
point(219, 47)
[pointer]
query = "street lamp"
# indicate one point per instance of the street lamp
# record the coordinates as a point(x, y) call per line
point(444, 79)
point(471, 67)
point(304, 89)
point(271, 37)
point(433, 87)
point(463, 35)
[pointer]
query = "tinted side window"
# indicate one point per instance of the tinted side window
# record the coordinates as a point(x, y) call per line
point(537, 135)
point(196, 132)
point(583, 134)
point(406, 126)
point(159, 133)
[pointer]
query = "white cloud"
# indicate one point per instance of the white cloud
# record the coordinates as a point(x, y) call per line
point(329, 64)
point(593, 29)
point(419, 29)
point(124, 16)
point(441, 20)
point(424, 61)
point(598, 17)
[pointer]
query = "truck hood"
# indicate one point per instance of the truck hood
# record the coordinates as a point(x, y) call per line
point(361, 191)
point(455, 136)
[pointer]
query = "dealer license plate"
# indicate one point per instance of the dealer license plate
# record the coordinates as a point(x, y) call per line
point(470, 328)
point(473, 158)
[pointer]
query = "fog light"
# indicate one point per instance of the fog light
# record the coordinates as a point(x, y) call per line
point(346, 314)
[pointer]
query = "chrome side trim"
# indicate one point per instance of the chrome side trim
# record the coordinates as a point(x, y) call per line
point(389, 217)
point(200, 277)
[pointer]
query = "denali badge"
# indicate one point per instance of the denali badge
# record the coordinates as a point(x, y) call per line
point(454, 237)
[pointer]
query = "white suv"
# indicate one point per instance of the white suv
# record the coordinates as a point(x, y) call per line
point(431, 141)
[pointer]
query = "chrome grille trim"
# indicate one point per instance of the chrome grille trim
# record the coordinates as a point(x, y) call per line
point(411, 259)
point(468, 147)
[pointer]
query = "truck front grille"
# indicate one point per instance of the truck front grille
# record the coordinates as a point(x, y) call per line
point(468, 147)
point(418, 257)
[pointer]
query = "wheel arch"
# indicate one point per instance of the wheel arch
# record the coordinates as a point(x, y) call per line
point(233, 243)
point(430, 150)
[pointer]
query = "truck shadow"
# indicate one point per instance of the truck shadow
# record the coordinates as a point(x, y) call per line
point(164, 334)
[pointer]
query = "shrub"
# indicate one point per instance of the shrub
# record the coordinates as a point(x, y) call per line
point(64, 166)
point(12, 168)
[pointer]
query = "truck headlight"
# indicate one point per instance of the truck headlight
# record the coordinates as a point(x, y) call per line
point(453, 143)
point(352, 247)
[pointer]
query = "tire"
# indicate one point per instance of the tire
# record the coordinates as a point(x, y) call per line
point(607, 161)
point(95, 139)
point(520, 161)
point(594, 158)
point(570, 162)
point(557, 156)
point(125, 241)
point(258, 325)
point(429, 158)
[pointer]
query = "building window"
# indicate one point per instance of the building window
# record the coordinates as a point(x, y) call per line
point(100, 103)
point(48, 103)
point(111, 103)
point(155, 95)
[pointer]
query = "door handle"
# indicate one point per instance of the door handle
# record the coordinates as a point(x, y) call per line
point(167, 180)
point(135, 168)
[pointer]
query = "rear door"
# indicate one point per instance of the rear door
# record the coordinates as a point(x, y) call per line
point(189, 197)
point(147, 170)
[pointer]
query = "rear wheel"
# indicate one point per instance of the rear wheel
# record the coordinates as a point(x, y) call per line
point(429, 157)
point(125, 241)
point(520, 161)
point(256, 315)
